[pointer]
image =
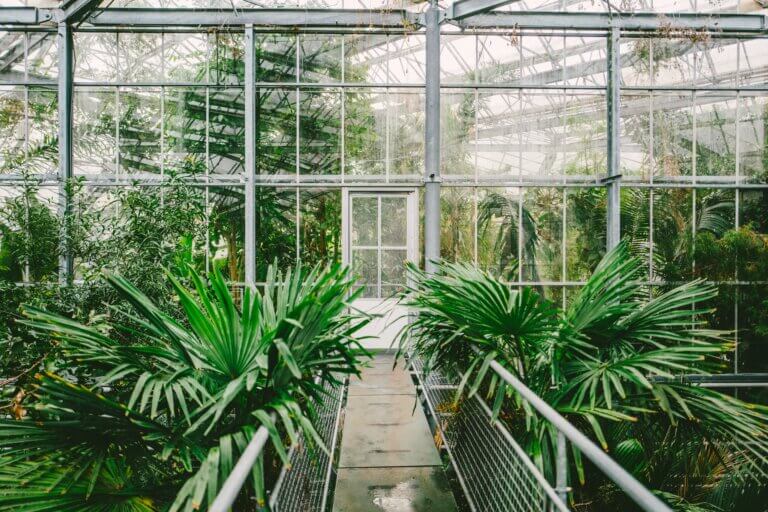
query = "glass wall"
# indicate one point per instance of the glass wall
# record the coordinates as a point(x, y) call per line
point(693, 141)
point(159, 121)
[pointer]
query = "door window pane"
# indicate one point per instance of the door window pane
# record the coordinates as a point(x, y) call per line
point(365, 263)
point(393, 221)
point(392, 271)
point(365, 221)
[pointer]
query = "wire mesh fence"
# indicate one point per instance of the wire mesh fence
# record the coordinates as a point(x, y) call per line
point(493, 470)
point(304, 485)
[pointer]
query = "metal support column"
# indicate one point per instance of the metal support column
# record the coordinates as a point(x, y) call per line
point(66, 266)
point(432, 140)
point(613, 235)
point(250, 158)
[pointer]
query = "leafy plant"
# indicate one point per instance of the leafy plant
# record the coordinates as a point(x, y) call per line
point(607, 363)
point(159, 423)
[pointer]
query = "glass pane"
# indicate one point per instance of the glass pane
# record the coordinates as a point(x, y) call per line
point(457, 224)
point(226, 231)
point(715, 134)
point(43, 112)
point(93, 130)
point(672, 134)
point(635, 136)
point(542, 242)
point(42, 57)
point(228, 67)
point(406, 135)
point(715, 222)
point(499, 129)
point(753, 137)
point(543, 59)
point(672, 234)
point(498, 210)
point(365, 133)
point(95, 56)
point(226, 130)
point(635, 221)
point(365, 230)
point(586, 226)
point(394, 227)
point(407, 59)
point(498, 58)
point(12, 134)
point(320, 58)
point(365, 265)
point(585, 61)
point(320, 132)
point(276, 143)
point(186, 57)
point(457, 59)
point(275, 58)
point(636, 65)
point(275, 229)
point(457, 133)
point(140, 57)
point(584, 140)
point(184, 115)
point(320, 230)
point(392, 271)
point(365, 58)
point(139, 131)
point(753, 338)
point(541, 126)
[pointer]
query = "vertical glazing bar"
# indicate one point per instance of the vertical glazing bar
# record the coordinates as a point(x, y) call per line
point(432, 140)
point(65, 148)
point(250, 158)
point(614, 122)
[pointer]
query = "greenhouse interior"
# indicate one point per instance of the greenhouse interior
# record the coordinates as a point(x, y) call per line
point(382, 255)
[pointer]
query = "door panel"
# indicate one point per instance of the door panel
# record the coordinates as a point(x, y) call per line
point(379, 234)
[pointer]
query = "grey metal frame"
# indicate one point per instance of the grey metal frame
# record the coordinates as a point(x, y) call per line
point(469, 14)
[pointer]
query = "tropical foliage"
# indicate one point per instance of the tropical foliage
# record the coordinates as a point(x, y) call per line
point(607, 363)
point(158, 423)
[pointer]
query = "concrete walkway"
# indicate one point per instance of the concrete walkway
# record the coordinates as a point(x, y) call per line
point(388, 460)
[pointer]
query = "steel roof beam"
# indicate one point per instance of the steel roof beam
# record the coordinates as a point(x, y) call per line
point(641, 22)
point(461, 9)
point(325, 18)
point(24, 15)
point(397, 19)
point(73, 11)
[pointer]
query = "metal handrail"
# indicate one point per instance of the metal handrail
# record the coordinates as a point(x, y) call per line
point(234, 482)
point(621, 477)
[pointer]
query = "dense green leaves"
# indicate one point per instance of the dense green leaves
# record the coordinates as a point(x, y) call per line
point(607, 362)
point(158, 423)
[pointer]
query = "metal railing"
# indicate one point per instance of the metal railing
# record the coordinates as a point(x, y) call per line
point(494, 472)
point(303, 485)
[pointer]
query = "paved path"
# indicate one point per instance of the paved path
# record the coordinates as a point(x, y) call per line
point(388, 460)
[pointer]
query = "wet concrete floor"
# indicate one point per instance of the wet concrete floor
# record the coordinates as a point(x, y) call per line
point(388, 460)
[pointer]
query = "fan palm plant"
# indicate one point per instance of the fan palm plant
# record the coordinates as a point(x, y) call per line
point(607, 363)
point(158, 424)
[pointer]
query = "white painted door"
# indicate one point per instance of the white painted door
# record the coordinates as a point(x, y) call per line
point(379, 234)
